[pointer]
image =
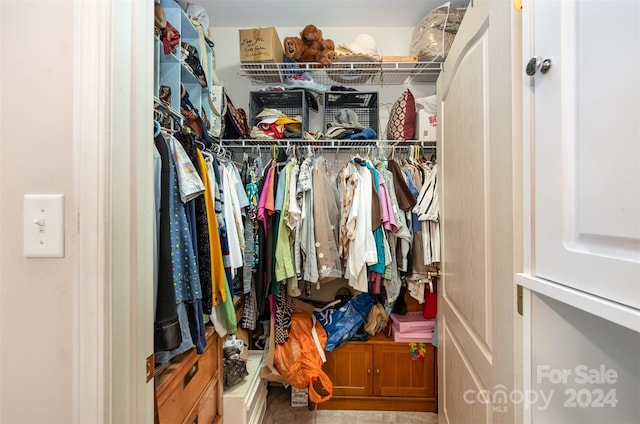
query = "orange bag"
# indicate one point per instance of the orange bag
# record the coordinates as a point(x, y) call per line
point(299, 360)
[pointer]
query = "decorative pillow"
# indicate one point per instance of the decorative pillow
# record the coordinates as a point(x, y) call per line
point(402, 120)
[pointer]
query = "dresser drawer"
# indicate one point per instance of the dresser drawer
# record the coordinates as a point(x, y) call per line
point(205, 410)
point(257, 410)
point(190, 376)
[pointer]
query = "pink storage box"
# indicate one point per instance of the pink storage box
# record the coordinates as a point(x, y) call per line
point(420, 336)
point(412, 321)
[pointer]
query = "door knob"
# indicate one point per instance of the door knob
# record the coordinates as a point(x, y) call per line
point(536, 63)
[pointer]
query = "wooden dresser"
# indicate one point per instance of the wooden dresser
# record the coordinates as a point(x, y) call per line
point(190, 389)
point(380, 375)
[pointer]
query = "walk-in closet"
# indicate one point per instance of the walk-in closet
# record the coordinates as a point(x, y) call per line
point(329, 220)
point(320, 181)
point(347, 248)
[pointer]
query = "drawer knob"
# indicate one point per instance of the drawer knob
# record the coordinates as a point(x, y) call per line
point(377, 370)
point(192, 372)
point(368, 370)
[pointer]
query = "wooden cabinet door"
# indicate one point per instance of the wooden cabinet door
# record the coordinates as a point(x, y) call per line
point(395, 374)
point(350, 369)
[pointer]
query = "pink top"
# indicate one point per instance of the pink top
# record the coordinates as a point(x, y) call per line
point(388, 219)
point(268, 181)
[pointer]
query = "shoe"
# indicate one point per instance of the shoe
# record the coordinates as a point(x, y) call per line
point(165, 95)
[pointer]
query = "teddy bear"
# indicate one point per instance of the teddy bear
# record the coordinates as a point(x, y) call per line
point(311, 34)
point(310, 47)
point(293, 48)
point(326, 57)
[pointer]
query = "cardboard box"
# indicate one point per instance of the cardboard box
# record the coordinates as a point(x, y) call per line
point(426, 126)
point(260, 45)
point(399, 58)
point(412, 321)
point(422, 336)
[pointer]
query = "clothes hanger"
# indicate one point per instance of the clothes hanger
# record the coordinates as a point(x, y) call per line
point(207, 155)
point(156, 128)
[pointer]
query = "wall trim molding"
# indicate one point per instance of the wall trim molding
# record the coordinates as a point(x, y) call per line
point(113, 211)
point(91, 145)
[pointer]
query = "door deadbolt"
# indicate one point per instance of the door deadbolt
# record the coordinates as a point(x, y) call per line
point(536, 63)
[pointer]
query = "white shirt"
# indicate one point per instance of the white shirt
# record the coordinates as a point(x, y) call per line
point(362, 245)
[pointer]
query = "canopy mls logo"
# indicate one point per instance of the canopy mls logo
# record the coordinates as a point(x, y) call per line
point(578, 387)
point(500, 399)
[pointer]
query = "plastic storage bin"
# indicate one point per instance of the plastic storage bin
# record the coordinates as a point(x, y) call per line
point(290, 102)
point(364, 104)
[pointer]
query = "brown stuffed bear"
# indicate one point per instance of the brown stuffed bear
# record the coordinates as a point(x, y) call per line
point(293, 48)
point(328, 45)
point(310, 47)
point(326, 57)
point(311, 34)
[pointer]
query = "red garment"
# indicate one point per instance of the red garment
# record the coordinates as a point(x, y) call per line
point(272, 130)
point(170, 37)
point(430, 306)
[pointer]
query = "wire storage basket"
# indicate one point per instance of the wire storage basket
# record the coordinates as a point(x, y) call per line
point(292, 103)
point(364, 105)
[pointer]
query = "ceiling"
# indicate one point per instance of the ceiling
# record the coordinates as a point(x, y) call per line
point(325, 13)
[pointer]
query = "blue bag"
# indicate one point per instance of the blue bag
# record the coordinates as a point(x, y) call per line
point(341, 324)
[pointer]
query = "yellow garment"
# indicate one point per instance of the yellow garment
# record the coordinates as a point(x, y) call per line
point(284, 267)
point(218, 277)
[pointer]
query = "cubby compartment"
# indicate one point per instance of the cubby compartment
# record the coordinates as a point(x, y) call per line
point(171, 70)
point(292, 103)
point(364, 106)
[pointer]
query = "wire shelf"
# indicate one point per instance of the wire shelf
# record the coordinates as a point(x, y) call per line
point(328, 144)
point(351, 73)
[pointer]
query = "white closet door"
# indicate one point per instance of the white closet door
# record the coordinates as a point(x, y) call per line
point(476, 296)
point(586, 147)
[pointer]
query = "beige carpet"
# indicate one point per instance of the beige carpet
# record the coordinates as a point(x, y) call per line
point(280, 411)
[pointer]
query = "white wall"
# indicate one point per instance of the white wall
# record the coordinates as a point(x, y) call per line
point(75, 105)
point(36, 86)
point(570, 341)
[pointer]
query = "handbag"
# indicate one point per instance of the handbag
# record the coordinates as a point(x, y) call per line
point(215, 97)
point(170, 38)
point(218, 104)
point(342, 324)
point(192, 59)
point(236, 122)
point(189, 112)
point(430, 306)
point(192, 119)
point(159, 19)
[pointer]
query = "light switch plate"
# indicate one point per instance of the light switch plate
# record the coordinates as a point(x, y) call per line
point(43, 226)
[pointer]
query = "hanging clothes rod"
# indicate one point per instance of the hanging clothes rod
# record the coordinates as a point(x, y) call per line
point(160, 107)
point(330, 144)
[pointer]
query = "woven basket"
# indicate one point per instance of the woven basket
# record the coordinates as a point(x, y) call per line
point(353, 69)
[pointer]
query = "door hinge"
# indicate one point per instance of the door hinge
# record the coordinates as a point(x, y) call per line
point(519, 298)
point(150, 367)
